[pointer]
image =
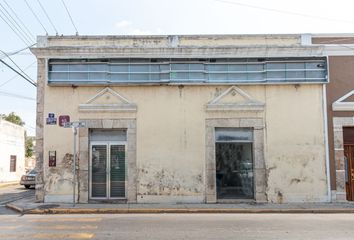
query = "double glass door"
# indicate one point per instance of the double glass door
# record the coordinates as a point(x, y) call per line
point(107, 170)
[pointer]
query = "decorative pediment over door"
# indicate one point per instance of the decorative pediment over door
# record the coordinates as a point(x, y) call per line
point(344, 103)
point(234, 99)
point(108, 100)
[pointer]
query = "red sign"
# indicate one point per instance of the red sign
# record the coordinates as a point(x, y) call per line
point(63, 119)
point(52, 159)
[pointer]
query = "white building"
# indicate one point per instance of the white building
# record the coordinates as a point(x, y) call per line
point(12, 151)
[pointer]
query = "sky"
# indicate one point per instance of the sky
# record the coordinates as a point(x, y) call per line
point(146, 17)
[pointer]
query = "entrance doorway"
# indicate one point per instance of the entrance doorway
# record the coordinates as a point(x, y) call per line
point(107, 165)
point(348, 138)
point(234, 163)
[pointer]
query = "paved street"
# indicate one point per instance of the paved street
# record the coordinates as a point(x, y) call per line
point(169, 226)
point(178, 226)
point(12, 193)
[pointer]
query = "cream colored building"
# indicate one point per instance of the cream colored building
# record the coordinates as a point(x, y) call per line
point(196, 119)
point(12, 151)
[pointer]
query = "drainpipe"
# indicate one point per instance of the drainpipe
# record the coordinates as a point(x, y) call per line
point(325, 123)
point(74, 165)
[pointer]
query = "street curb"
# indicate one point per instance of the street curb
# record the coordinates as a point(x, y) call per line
point(168, 210)
point(14, 207)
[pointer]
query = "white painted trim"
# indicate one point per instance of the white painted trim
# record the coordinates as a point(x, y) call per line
point(337, 49)
point(344, 106)
point(251, 104)
point(339, 105)
point(325, 126)
point(332, 35)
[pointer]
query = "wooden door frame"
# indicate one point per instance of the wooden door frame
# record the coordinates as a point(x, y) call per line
point(349, 162)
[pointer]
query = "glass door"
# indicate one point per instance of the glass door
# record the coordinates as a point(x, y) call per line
point(108, 170)
point(117, 171)
point(234, 163)
point(99, 171)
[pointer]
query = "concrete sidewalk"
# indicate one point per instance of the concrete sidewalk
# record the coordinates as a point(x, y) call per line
point(6, 184)
point(27, 206)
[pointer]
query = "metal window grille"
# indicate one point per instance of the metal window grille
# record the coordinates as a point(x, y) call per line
point(187, 71)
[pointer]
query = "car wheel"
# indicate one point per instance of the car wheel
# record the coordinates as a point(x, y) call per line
point(27, 186)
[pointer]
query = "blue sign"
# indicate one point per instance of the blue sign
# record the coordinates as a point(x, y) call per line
point(51, 120)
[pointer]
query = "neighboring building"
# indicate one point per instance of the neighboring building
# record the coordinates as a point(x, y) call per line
point(340, 104)
point(12, 151)
point(204, 118)
point(30, 162)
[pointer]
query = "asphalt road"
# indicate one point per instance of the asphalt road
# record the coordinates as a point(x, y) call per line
point(12, 193)
point(179, 226)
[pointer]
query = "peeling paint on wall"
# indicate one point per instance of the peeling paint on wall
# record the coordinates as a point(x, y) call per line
point(166, 182)
point(59, 179)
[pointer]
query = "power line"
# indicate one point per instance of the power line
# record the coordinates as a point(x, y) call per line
point(18, 18)
point(17, 51)
point(20, 53)
point(17, 65)
point(6, 82)
point(72, 21)
point(8, 94)
point(18, 35)
point(28, 80)
point(284, 11)
point(15, 24)
point(35, 15)
point(45, 12)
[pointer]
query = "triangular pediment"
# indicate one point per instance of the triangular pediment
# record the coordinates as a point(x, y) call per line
point(235, 99)
point(108, 100)
point(344, 103)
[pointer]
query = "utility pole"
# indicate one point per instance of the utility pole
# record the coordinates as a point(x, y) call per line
point(74, 126)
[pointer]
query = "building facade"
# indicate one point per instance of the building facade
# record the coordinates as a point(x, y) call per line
point(12, 151)
point(197, 119)
point(340, 108)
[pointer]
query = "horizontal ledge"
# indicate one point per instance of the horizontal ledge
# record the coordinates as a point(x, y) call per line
point(235, 107)
point(108, 107)
point(343, 106)
point(165, 83)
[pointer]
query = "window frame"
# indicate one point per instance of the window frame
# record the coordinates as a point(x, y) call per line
point(13, 163)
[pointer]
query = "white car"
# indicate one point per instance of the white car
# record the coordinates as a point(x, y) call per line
point(29, 179)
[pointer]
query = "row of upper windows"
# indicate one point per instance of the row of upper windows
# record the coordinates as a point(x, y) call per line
point(293, 70)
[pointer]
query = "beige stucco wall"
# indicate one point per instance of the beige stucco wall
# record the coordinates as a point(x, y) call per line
point(295, 154)
point(171, 139)
point(12, 142)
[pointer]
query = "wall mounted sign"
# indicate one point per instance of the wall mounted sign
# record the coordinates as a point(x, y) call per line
point(52, 159)
point(63, 119)
point(75, 124)
point(51, 119)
